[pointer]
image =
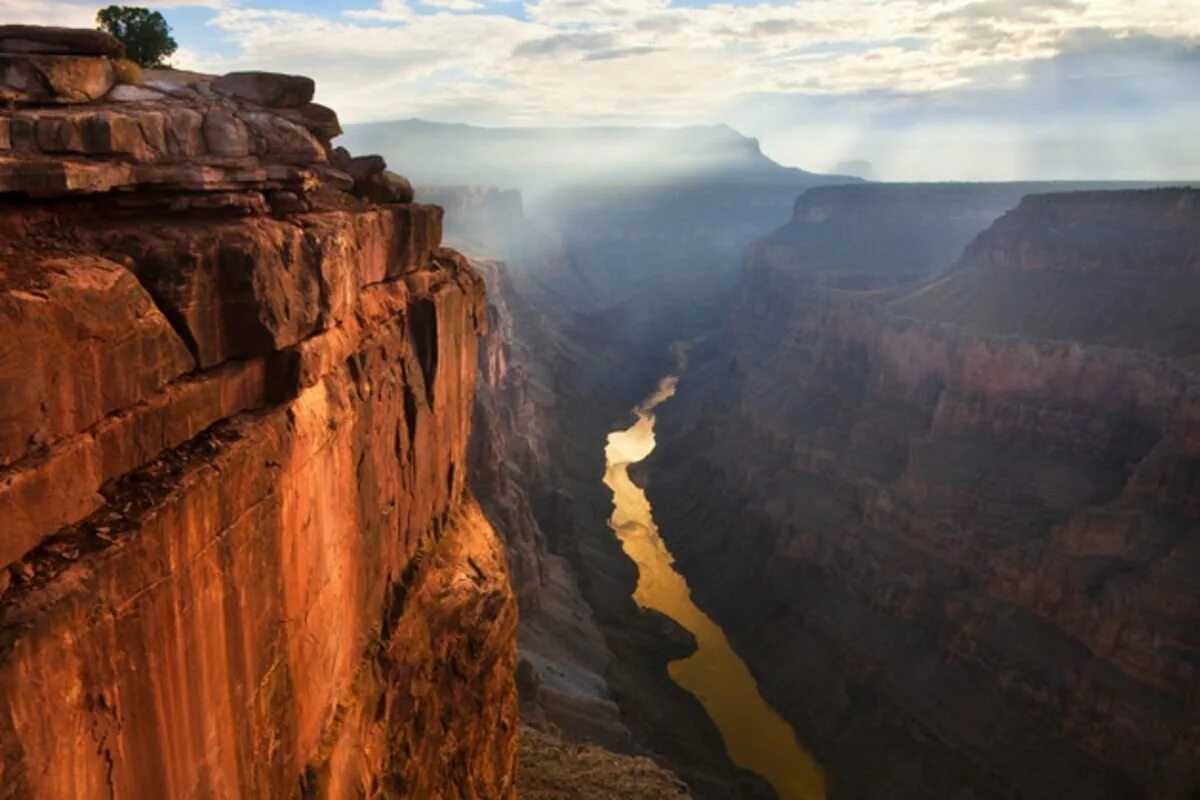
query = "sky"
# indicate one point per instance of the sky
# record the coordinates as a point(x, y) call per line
point(918, 89)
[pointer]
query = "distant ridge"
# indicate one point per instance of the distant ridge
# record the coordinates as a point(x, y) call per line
point(537, 159)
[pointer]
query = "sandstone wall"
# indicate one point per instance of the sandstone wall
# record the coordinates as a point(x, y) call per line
point(239, 556)
point(513, 460)
point(963, 562)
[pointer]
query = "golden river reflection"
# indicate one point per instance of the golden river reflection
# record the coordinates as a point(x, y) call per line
point(756, 737)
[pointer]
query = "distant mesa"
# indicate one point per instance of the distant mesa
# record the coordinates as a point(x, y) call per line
point(538, 160)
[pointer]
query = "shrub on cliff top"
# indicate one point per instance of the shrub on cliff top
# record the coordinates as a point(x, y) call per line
point(145, 33)
point(127, 71)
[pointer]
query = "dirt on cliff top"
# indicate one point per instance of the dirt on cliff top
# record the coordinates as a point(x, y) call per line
point(552, 769)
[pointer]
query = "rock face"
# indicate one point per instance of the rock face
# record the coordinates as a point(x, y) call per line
point(562, 653)
point(1134, 257)
point(52, 78)
point(239, 556)
point(861, 236)
point(55, 65)
point(956, 543)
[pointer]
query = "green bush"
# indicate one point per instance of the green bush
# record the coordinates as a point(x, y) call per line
point(145, 34)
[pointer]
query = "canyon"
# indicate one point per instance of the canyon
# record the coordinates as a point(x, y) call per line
point(306, 490)
point(914, 440)
point(951, 524)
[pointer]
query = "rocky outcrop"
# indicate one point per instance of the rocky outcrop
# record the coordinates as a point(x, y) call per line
point(959, 556)
point(60, 41)
point(552, 769)
point(240, 558)
point(266, 88)
point(55, 65)
point(249, 133)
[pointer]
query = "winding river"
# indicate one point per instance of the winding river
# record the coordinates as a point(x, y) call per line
point(756, 737)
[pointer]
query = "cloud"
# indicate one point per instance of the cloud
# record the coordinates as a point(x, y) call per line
point(780, 27)
point(1010, 10)
point(564, 43)
point(623, 52)
point(1106, 106)
point(388, 11)
point(453, 5)
point(659, 62)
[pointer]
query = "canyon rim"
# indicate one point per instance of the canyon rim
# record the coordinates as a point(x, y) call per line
point(591, 452)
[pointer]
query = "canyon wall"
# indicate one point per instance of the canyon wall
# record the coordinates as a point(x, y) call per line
point(953, 529)
point(555, 377)
point(239, 556)
point(514, 455)
point(878, 235)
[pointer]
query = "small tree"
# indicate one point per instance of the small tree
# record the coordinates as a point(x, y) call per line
point(145, 34)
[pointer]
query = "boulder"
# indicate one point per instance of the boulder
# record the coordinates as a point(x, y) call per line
point(275, 136)
point(340, 157)
point(271, 89)
point(71, 41)
point(320, 120)
point(372, 179)
point(225, 135)
point(385, 187)
point(335, 178)
point(45, 78)
point(363, 167)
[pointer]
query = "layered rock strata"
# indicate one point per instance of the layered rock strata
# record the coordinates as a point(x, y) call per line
point(880, 235)
point(74, 130)
point(239, 558)
point(956, 544)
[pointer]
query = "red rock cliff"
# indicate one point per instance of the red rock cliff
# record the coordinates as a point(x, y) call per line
point(957, 545)
point(239, 558)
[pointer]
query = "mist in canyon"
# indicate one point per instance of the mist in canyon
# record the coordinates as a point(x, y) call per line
point(622, 456)
point(886, 478)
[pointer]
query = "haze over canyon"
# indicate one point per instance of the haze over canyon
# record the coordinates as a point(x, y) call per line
point(569, 450)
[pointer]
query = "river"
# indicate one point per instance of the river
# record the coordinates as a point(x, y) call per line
point(756, 736)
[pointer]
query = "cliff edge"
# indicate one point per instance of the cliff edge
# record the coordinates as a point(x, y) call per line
point(236, 380)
